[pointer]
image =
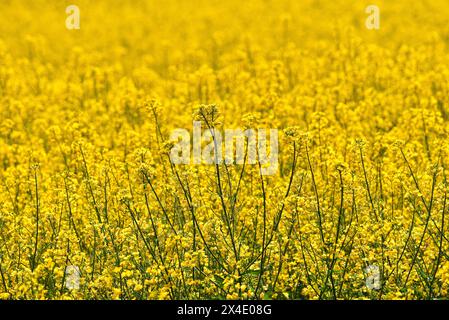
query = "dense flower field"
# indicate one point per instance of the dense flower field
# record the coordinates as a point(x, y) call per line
point(86, 181)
